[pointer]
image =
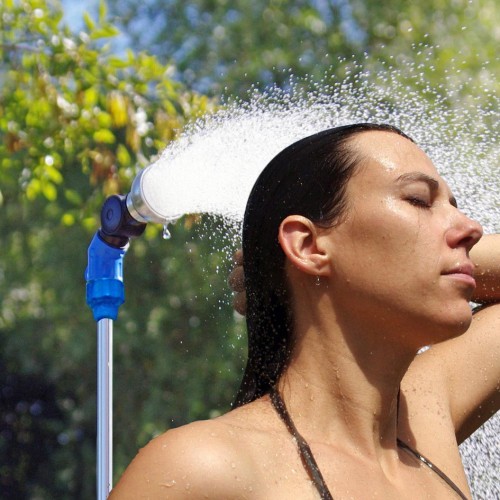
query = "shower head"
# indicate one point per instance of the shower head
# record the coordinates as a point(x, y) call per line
point(137, 202)
point(125, 217)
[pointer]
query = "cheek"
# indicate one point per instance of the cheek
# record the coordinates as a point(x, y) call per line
point(387, 241)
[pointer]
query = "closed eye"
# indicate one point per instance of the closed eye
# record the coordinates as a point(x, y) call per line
point(419, 202)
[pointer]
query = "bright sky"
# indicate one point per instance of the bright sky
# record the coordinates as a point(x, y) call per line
point(74, 9)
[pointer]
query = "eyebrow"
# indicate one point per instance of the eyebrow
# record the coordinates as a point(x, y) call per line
point(421, 177)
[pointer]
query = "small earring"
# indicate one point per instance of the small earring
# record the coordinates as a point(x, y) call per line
point(318, 281)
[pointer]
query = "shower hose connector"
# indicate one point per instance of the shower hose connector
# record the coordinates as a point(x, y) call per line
point(104, 273)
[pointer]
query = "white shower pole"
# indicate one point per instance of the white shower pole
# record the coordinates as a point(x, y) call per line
point(104, 407)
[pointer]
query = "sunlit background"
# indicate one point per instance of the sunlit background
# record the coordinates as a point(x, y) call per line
point(90, 93)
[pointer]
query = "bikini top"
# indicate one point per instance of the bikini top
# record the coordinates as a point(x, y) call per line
point(312, 467)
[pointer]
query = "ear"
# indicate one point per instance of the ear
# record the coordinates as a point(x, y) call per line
point(300, 240)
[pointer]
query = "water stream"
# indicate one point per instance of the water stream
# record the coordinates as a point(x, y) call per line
point(213, 165)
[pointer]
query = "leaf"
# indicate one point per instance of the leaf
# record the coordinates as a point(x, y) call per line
point(90, 97)
point(123, 156)
point(117, 62)
point(53, 174)
point(89, 22)
point(117, 106)
point(49, 191)
point(104, 32)
point(103, 11)
point(73, 196)
point(105, 136)
point(68, 219)
point(33, 189)
point(104, 119)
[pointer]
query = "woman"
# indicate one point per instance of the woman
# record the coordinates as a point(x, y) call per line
point(356, 257)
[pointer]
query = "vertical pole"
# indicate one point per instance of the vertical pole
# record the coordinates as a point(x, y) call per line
point(104, 407)
point(105, 294)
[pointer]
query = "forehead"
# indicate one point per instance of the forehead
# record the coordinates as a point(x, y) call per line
point(391, 151)
point(386, 156)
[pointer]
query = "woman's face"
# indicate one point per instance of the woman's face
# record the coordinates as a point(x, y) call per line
point(400, 255)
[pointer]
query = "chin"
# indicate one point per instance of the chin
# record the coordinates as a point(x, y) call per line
point(453, 326)
point(461, 327)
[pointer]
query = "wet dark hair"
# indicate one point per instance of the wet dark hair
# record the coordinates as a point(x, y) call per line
point(308, 178)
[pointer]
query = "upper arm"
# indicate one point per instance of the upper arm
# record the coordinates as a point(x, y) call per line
point(472, 371)
point(184, 463)
point(463, 374)
point(486, 258)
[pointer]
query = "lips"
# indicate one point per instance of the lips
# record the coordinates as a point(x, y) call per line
point(463, 272)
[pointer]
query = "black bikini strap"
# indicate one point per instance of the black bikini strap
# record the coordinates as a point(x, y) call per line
point(305, 452)
point(312, 467)
point(427, 462)
point(433, 467)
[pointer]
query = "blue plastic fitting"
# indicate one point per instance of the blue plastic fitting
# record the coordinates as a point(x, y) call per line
point(104, 276)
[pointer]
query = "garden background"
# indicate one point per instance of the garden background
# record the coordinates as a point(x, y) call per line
point(87, 99)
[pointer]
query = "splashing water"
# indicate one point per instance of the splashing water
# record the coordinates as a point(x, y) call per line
point(215, 162)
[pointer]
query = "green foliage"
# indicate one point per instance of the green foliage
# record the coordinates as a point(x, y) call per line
point(76, 124)
point(218, 45)
point(70, 106)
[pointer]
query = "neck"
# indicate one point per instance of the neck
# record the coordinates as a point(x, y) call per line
point(342, 383)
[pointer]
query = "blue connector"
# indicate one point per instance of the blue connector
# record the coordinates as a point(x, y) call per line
point(104, 276)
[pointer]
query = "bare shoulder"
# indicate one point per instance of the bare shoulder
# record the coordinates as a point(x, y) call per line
point(197, 460)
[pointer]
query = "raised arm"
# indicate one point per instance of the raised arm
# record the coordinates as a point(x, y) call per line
point(486, 257)
point(465, 371)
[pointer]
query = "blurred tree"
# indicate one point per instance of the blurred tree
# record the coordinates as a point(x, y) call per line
point(76, 123)
point(217, 45)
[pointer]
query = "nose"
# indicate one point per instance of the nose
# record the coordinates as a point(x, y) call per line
point(464, 232)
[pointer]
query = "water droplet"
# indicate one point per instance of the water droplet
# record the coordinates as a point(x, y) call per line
point(168, 484)
point(166, 232)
